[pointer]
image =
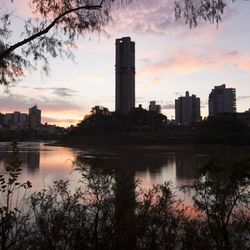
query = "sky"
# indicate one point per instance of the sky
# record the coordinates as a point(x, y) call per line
point(171, 58)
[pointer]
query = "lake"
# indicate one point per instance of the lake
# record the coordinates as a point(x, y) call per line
point(43, 164)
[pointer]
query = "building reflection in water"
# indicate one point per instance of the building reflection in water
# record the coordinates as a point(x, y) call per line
point(129, 167)
point(30, 160)
point(33, 161)
point(124, 178)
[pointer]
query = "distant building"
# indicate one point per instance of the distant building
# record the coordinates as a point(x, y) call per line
point(2, 119)
point(19, 120)
point(48, 129)
point(33, 160)
point(8, 118)
point(187, 109)
point(23, 121)
point(125, 75)
point(34, 118)
point(154, 107)
point(16, 117)
point(222, 100)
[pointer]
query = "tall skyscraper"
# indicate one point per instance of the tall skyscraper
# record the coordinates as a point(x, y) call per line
point(124, 75)
point(34, 118)
point(222, 100)
point(187, 109)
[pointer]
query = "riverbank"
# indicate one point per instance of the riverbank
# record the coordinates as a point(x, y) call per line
point(105, 145)
point(127, 139)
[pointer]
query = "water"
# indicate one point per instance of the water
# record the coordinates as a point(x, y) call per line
point(43, 164)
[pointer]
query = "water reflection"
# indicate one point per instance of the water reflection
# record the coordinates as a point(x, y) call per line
point(149, 169)
point(30, 160)
point(124, 176)
point(44, 164)
point(33, 161)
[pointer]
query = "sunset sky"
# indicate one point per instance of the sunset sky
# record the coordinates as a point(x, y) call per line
point(170, 59)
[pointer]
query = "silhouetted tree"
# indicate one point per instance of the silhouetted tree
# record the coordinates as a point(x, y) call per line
point(141, 118)
point(52, 32)
point(222, 194)
point(193, 11)
point(223, 128)
point(13, 218)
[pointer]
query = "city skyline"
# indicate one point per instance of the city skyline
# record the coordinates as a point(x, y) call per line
point(170, 59)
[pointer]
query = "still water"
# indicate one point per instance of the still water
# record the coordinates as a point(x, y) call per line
point(43, 164)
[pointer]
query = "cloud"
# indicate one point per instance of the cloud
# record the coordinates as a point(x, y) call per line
point(61, 111)
point(168, 106)
point(59, 121)
point(61, 92)
point(165, 105)
point(182, 62)
point(23, 103)
point(64, 92)
point(156, 17)
point(144, 16)
point(239, 98)
point(185, 62)
point(155, 80)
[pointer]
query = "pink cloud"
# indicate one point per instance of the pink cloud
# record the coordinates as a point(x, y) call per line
point(143, 16)
point(158, 17)
point(184, 62)
point(61, 111)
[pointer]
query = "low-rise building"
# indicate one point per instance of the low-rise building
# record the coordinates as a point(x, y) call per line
point(154, 107)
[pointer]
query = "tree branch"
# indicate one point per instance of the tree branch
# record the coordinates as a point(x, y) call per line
point(9, 50)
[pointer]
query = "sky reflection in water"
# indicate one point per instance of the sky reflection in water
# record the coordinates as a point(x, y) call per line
point(42, 165)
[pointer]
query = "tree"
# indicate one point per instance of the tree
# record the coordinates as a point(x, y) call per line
point(13, 220)
point(53, 33)
point(222, 195)
point(223, 128)
point(195, 10)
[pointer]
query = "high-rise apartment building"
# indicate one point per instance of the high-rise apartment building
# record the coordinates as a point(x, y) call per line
point(16, 117)
point(8, 118)
point(187, 109)
point(34, 118)
point(23, 121)
point(222, 100)
point(125, 75)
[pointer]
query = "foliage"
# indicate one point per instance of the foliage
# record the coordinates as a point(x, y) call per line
point(60, 219)
point(141, 118)
point(13, 221)
point(224, 128)
point(195, 10)
point(158, 219)
point(53, 32)
point(222, 194)
point(101, 120)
